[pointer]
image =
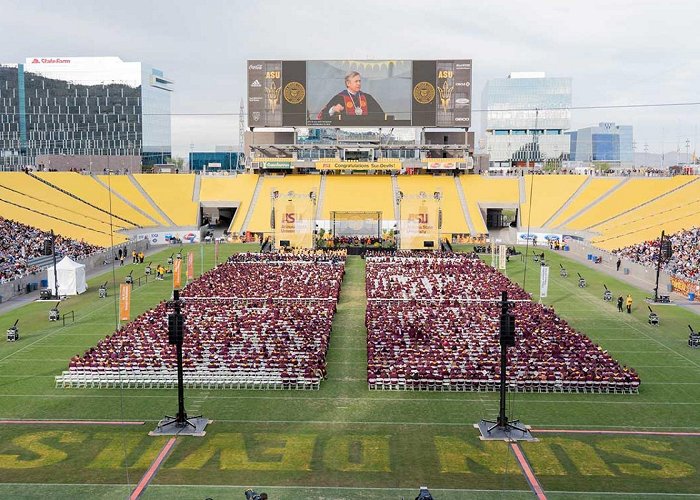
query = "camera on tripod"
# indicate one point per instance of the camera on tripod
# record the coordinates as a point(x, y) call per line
point(54, 314)
point(254, 495)
point(581, 281)
point(424, 494)
point(693, 338)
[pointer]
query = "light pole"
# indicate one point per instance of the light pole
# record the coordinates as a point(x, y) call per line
point(646, 154)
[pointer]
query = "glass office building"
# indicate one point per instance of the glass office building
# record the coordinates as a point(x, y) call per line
point(525, 116)
point(83, 106)
point(607, 143)
point(213, 161)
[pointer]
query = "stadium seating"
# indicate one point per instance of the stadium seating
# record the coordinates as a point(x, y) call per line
point(343, 192)
point(672, 212)
point(173, 194)
point(32, 202)
point(87, 188)
point(122, 185)
point(544, 195)
point(19, 244)
point(685, 261)
point(433, 321)
point(596, 188)
point(630, 195)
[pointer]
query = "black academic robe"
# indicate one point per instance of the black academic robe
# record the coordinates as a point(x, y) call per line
point(368, 106)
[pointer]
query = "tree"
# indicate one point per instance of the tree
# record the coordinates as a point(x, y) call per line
point(177, 161)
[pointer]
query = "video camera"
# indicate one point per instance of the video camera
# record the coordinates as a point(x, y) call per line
point(13, 332)
point(693, 338)
point(253, 495)
point(607, 295)
point(54, 314)
point(653, 317)
point(103, 290)
point(147, 271)
point(424, 494)
point(581, 281)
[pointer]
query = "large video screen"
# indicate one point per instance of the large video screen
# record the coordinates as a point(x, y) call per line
point(367, 93)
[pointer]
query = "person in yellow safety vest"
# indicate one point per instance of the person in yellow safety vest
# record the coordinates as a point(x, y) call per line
point(628, 302)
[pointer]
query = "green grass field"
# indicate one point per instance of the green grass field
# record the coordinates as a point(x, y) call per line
point(343, 441)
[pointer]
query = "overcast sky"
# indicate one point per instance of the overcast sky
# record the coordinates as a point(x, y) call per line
point(617, 52)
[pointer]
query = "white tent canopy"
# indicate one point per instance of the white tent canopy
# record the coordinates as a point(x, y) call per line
point(71, 277)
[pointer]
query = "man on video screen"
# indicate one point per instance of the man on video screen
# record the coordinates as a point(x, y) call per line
point(352, 102)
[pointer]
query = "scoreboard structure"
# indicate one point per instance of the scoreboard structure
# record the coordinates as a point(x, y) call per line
point(360, 93)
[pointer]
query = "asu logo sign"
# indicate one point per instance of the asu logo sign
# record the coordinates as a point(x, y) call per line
point(424, 92)
point(289, 218)
point(294, 92)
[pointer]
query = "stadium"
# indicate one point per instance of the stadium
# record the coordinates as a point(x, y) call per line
point(328, 321)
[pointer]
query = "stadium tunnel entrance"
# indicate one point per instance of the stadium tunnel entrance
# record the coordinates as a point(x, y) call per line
point(217, 215)
point(498, 216)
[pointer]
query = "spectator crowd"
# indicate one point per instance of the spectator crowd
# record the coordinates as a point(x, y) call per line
point(256, 321)
point(433, 323)
point(19, 244)
point(685, 261)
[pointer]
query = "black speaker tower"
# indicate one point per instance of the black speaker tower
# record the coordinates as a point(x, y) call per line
point(502, 427)
point(180, 424)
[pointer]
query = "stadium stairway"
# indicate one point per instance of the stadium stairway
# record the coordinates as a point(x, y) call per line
point(465, 210)
point(321, 196)
point(197, 188)
point(445, 245)
point(522, 196)
point(395, 190)
point(148, 198)
point(253, 203)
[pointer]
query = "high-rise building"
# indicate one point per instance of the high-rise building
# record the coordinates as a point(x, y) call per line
point(607, 143)
point(83, 106)
point(526, 115)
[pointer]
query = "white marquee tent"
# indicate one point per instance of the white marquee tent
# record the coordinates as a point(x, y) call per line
point(71, 277)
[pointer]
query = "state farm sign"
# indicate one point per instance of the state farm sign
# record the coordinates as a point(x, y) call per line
point(45, 60)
